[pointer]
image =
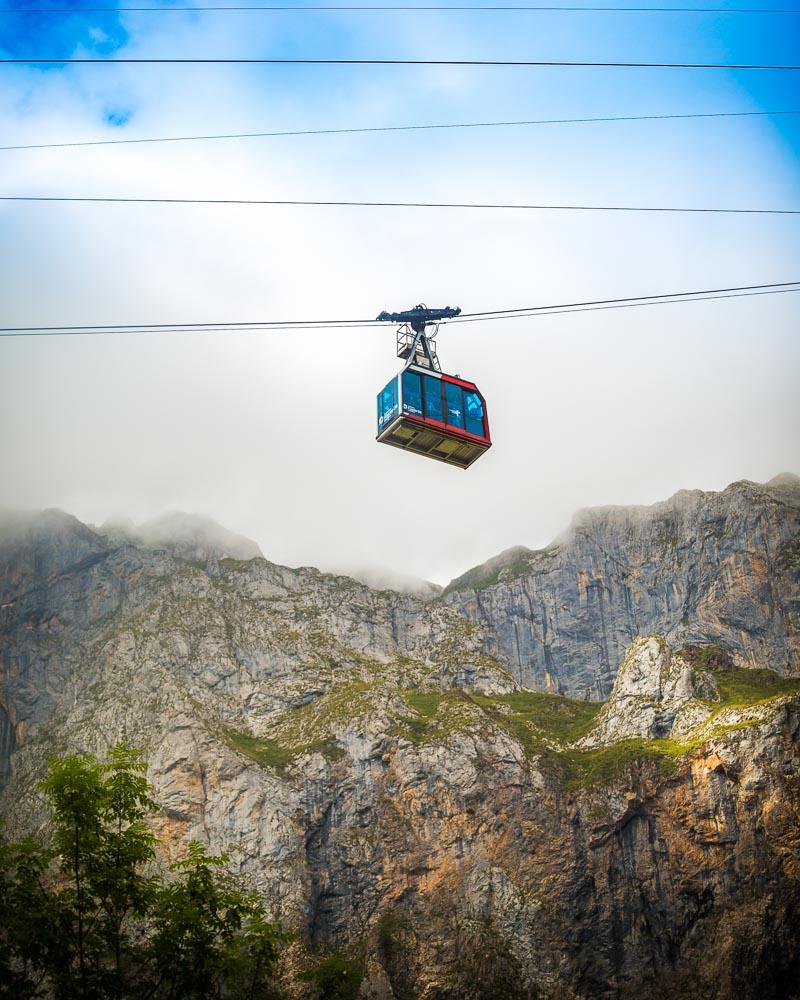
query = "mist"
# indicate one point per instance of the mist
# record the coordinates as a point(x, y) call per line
point(272, 435)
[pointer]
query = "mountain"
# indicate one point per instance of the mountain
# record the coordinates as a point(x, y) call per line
point(188, 536)
point(400, 772)
point(700, 567)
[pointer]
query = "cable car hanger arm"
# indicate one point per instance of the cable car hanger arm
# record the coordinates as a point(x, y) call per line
point(414, 341)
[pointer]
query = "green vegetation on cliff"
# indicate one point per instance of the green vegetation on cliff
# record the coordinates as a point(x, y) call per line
point(747, 688)
point(270, 753)
point(552, 715)
point(503, 568)
point(546, 726)
point(84, 916)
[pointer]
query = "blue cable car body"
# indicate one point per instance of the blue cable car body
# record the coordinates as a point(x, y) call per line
point(436, 415)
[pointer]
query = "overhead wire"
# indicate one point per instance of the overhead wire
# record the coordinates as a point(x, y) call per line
point(498, 313)
point(667, 298)
point(366, 9)
point(329, 203)
point(397, 128)
point(286, 324)
point(597, 307)
point(533, 63)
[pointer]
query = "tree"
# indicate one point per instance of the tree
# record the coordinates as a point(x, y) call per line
point(85, 917)
point(102, 846)
point(336, 977)
point(30, 941)
point(211, 939)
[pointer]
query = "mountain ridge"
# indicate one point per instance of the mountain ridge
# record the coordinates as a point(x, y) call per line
point(172, 527)
point(394, 776)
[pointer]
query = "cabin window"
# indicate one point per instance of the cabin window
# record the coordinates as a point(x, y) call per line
point(473, 408)
point(387, 404)
point(412, 393)
point(433, 398)
point(455, 406)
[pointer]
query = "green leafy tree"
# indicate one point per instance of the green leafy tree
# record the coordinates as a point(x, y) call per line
point(103, 845)
point(30, 938)
point(336, 977)
point(211, 939)
point(84, 917)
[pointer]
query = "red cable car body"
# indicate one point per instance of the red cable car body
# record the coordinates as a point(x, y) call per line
point(422, 409)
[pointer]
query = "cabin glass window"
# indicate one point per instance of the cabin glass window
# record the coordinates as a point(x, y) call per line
point(455, 405)
point(412, 393)
point(433, 398)
point(473, 409)
point(387, 404)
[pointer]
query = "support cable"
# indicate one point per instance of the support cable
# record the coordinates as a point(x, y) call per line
point(399, 9)
point(667, 298)
point(398, 62)
point(400, 128)
point(499, 206)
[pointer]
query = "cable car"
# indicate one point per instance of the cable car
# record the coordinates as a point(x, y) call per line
point(424, 410)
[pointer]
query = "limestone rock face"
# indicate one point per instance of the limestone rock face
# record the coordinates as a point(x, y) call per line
point(699, 568)
point(651, 694)
point(368, 762)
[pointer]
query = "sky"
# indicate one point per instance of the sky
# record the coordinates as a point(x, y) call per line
point(272, 434)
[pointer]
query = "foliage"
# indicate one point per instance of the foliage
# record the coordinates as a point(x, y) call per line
point(438, 715)
point(561, 718)
point(753, 687)
point(85, 916)
point(335, 978)
point(211, 939)
point(268, 752)
point(263, 750)
point(603, 765)
point(426, 705)
point(29, 938)
point(546, 724)
point(503, 568)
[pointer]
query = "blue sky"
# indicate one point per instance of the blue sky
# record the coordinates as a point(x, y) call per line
point(274, 435)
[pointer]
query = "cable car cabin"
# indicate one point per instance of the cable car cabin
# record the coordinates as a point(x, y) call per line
point(436, 415)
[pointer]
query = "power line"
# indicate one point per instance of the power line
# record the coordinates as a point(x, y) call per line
point(295, 202)
point(399, 62)
point(706, 292)
point(663, 301)
point(674, 298)
point(303, 9)
point(398, 128)
point(285, 324)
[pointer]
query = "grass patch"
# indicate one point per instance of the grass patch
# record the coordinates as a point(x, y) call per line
point(603, 765)
point(424, 703)
point(545, 724)
point(269, 753)
point(745, 688)
point(266, 752)
point(502, 568)
point(313, 722)
point(560, 718)
point(438, 714)
point(230, 563)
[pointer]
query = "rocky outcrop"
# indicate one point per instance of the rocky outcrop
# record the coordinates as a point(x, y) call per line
point(699, 568)
point(656, 693)
point(368, 762)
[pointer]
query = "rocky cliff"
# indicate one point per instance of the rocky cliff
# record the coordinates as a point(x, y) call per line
point(380, 767)
point(700, 567)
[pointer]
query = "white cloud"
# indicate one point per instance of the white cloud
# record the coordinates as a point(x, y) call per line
point(273, 434)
